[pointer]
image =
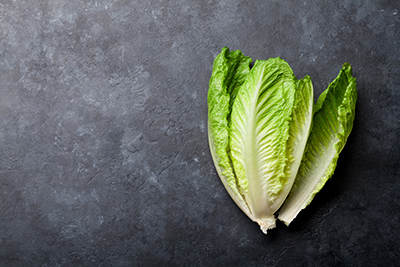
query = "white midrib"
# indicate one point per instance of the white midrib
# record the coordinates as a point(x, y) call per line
point(258, 198)
point(300, 200)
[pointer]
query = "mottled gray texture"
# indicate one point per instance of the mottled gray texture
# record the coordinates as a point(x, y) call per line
point(104, 157)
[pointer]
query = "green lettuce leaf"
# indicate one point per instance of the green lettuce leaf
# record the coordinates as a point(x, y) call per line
point(259, 132)
point(299, 131)
point(332, 124)
point(229, 71)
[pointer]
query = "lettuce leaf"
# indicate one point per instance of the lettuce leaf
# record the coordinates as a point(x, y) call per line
point(299, 131)
point(259, 132)
point(332, 124)
point(229, 71)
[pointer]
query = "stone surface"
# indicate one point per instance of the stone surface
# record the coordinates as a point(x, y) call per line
point(104, 158)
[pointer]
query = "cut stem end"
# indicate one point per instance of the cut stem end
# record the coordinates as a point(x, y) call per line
point(266, 224)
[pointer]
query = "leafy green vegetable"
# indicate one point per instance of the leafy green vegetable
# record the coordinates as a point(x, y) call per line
point(259, 131)
point(259, 126)
point(333, 122)
point(229, 72)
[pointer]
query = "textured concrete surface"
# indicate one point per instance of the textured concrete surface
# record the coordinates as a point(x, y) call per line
point(104, 158)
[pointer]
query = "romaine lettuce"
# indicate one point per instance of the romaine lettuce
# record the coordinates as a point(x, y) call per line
point(259, 123)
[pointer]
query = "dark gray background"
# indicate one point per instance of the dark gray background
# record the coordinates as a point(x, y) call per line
point(104, 157)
